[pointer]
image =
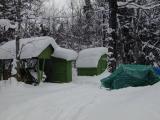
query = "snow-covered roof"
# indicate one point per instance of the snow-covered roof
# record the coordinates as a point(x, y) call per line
point(65, 54)
point(29, 47)
point(33, 47)
point(7, 24)
point(89, 58)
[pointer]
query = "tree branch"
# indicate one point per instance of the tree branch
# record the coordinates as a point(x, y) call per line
point(131, 4)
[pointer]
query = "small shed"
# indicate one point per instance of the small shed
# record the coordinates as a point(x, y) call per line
point(59, 68)
point(55, 61)
point(92, 61)
point(30, 48)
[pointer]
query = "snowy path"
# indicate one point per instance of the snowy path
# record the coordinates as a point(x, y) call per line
point(79, 100)
point(64, 103)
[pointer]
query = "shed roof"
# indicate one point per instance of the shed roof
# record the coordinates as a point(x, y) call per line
point(66, 54)
point(29, 47)
point(89, 58)
point(33, 47)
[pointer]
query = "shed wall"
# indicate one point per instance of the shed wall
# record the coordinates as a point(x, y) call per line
point(1, 69)
point(46, 54)
point(60, 70)
point(102, 64)
point(42, 58)
point(87, 71)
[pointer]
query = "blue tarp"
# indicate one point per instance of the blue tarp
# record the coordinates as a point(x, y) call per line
point(157, 70)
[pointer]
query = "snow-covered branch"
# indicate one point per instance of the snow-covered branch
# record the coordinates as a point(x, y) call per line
point(71, 36)
point(146, 44)
point(124, 4)
point(131, 4)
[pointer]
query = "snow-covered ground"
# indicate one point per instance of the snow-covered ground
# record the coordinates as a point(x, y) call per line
point(83, 99)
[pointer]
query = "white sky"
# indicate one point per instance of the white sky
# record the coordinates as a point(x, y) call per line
point(52, 6)
point(58, 4)
point(62, 4)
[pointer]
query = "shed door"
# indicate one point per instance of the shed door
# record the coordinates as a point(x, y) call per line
point(48, 70)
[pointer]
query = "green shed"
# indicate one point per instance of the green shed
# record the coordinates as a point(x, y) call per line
point(92, 61)
point(59, 68)
point(43, 55)
point(1, 70)
point(35, 48)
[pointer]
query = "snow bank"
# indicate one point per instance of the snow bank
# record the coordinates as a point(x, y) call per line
point(74, 101)
point(126, 104)
point(89, 58)
point(65, 54)
point(91, 80)
point(11, 83)
point(7, 24)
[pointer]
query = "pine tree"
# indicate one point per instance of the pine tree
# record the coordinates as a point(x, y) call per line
point(7, 9)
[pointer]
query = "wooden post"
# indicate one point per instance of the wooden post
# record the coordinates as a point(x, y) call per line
point(17, 47)
point(38, 71)
point(19, 29)
point(18, 40)
point(43, 68)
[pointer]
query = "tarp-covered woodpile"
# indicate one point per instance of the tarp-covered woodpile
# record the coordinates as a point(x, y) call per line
point(131, 75)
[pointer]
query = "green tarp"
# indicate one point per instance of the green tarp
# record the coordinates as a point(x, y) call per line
point(131, 75)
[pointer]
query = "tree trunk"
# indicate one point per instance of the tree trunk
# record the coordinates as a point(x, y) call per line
point(88, 11)
point(113, 34)
point(88, 2)
point(104, 29)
